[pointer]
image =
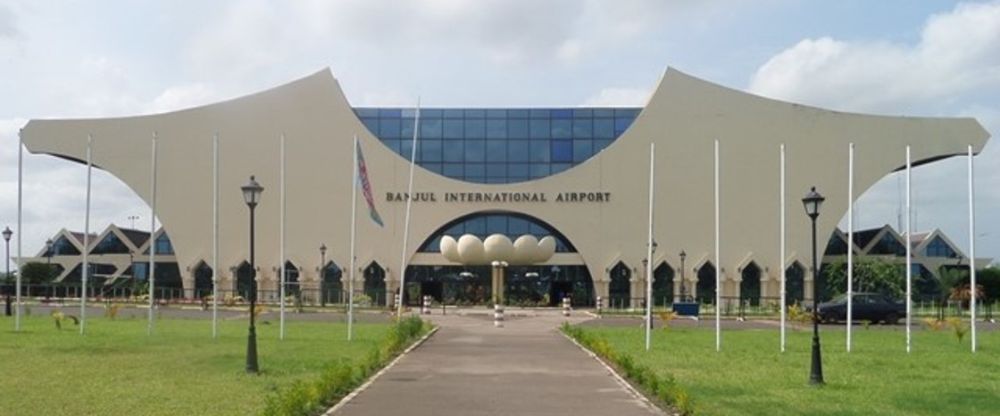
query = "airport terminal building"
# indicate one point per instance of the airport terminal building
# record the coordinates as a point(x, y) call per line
point(575, 179)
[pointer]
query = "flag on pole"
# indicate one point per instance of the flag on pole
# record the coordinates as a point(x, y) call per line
point(366, 187)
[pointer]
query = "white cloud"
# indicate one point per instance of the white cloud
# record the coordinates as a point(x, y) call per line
point(958, 53)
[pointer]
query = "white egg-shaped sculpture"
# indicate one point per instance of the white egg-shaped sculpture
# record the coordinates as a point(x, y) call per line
point(470, 249)
point(449, 249)
point(524, 249)
point(498, 247)
point(546, 248)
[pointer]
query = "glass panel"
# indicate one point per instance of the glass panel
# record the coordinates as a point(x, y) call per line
point(496, 170)
point(454, 170)
point(475, 113)
point(475, 129)
point(559, 167)
point(583, 113)
point(583, 128)
point(604, 129)
point(562, 151)
point(496, 224)
point(539, 151)
point(430, 150)
point(496, 151)
point(453, 113)
point(366, 112)
point(475, 150)
point(453, 129)
point(496, 113)
point(582, 150)
point(390, 113)
point(388, 128)
point(405, 148)
point(562, 129)
point(371, 124)
point(517, 170)
point(475, 170)
point(430, 128)
point(517, 151)
point(561, 113)
point(406, 128)
point(476, 226)
point(496, 129)
point(517, 129)
point(621, 124)
point(539, 170)
point(454, 151)
point(540, 129)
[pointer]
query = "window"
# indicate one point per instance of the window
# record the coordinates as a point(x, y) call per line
point(430, 151)
point(496, 151)
point(475, 151)
point(539, 151)
point(562, 129)
point(453, 129)
point(562, 151)
point(540, 129)
point(582, 150)
point(939, 248)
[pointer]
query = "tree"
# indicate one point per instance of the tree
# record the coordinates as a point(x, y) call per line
point(37, 273)
point(989, 280)
point(870, 275)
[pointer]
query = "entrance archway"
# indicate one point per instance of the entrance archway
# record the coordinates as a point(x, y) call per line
point(375, 283)
point(706, 283)
point(663, 285)
point(245, 285)
point(202, 280)
point(620, 287)
point(795, 276)
point(750, 284)
point(331, 287)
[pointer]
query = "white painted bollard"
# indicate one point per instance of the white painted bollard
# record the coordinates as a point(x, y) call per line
point(600, 305)
point(498, 315)
point(426, 307)
point(395, 299)
point(565, 306)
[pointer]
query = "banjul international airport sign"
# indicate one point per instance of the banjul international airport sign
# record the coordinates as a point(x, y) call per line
point(500, 197)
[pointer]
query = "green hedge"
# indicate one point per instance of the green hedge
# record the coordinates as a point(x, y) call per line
point(664, 388)
point(305, 398)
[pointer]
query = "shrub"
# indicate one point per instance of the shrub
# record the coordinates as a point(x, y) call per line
point(305, 398)
point(663, 388)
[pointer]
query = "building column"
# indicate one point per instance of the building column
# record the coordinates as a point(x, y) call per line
point(391, 289)
point(187, 282)
point(601, 289)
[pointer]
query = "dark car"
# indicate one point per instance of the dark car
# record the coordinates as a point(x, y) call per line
point(873, 307)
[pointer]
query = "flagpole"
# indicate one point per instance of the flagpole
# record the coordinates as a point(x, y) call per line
point(354, 206)
point(972, 247)
point(909, 256)
point(20, 174)
point(85, 271)
point(406, 223)
point(718, 266)
point(281, 290)
point(215, 235)
point(850, 243)
point(152, 240)
point(781, 260)
point(649, 249)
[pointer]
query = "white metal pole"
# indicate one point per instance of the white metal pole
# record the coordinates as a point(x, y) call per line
point(215, 236)
point(909, 255)
point(850, 242)
point(649, 248)
point(406, 221)
point(20, 174)
point(972, 246)
point(152, 240)
point(85, 271)
point(284, 272)
point(781, 259)
point(354, 209)
point(718, 265)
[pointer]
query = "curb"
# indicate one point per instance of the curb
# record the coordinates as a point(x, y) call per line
point(372, 379)
point(618, 378)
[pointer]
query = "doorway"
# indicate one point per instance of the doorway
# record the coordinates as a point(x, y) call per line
point(559, 290)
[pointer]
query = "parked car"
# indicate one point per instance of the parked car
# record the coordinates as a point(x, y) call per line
point(874, 307)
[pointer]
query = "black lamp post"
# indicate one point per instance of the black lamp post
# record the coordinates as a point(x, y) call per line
point(812, 202)
point(251, 195)
point(6, 237)
point(322, 275)
point(683, 283)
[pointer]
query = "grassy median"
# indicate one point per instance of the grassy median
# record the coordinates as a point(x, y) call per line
point(750, 377)
point(117, 369)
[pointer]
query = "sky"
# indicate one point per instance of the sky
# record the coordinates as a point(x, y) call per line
point(71, 59)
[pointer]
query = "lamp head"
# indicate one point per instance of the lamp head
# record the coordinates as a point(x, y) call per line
point(7, 233)
point(251, 192)
point(812, 203)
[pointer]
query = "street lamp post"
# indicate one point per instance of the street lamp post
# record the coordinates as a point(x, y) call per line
point(683, 283)
point(322, 275)
point(812, 202)
point(6, 237)
point(251, 195)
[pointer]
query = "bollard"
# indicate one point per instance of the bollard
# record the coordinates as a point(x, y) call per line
point(498, 315)
point(600, 304)
point(426, 307)
point(395, 299)
point(565, 305)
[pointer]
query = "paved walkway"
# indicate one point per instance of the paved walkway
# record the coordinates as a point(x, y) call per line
point(470, 368)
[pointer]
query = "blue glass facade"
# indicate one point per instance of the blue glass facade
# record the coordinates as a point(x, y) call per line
point(489, 145)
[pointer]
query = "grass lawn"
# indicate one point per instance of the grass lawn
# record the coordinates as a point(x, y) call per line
point(117, 369)
point(750, 377)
